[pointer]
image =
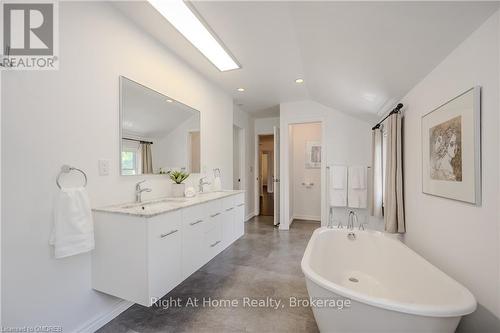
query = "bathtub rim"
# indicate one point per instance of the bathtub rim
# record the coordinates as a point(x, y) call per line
point(385, 303)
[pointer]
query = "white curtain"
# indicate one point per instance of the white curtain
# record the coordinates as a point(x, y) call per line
point(376, 195)
point(393, 199)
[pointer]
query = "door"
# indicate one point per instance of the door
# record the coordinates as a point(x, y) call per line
point(276, 179)
point(236, 158)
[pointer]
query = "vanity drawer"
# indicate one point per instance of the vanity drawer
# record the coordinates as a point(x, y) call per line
point(213, 241)
point(214, 207)
point(227, 203)
point(239, 199)
point(164, 224)
point(194, 214)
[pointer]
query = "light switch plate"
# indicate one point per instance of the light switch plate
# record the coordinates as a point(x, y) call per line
point(104, 167)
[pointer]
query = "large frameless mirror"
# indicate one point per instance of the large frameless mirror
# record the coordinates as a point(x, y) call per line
point(158, 133)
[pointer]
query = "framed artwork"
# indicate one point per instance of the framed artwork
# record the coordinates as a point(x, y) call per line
point(451, 149)
point(313, 155)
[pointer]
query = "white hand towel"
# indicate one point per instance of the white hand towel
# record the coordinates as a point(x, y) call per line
point(357, 196)
point(337, 186)
point(73, 230)
point(357, 177)
point(339, 177)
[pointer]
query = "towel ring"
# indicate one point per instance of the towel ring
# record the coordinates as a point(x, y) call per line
point(67, 169)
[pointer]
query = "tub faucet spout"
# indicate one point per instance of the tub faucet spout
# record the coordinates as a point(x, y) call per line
point(350, 220)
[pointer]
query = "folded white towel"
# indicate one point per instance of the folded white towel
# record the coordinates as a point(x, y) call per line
point(357, 177)
point(339, 177)
point(73, 230)
point(337, 189)
point(357, 196)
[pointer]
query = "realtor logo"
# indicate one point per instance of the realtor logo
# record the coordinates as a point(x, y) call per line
point(29, 35)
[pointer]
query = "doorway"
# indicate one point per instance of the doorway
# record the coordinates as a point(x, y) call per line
point(266, 174)
point(305, 164)
point(239, 171)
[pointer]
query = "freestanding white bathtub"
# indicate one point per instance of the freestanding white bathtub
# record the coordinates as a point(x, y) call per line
point(390, 287)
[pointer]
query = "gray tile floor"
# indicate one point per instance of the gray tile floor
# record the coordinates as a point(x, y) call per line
point(263, 263)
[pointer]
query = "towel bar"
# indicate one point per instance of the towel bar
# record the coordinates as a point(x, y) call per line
point(67, 169)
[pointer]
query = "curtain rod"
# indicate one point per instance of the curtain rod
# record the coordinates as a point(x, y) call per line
point(140, 141)
point(395, 110)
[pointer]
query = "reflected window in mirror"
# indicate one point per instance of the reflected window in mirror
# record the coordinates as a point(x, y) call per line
point(158, 133)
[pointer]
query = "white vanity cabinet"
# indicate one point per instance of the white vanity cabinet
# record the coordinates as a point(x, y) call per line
point(239, 215)
point(141, 258)
point(194, 224)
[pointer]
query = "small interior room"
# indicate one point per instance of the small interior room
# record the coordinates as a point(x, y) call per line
point(250, 166)
point(305, 172)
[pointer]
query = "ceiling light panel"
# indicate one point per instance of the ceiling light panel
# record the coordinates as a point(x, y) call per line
point(186, 22)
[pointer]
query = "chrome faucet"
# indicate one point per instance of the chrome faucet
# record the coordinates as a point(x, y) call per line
point(139, 190)
point(330, 219)
point(201, 183)
point(350, 221)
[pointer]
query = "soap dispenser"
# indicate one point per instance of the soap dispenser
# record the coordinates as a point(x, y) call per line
point(217, 180)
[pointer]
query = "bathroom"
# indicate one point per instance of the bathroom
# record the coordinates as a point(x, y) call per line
point(341, 65)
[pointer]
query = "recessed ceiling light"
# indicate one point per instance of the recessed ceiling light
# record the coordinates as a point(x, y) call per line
point(169, 100)
point(186, 22)
point(299, 80)
point(241, 89)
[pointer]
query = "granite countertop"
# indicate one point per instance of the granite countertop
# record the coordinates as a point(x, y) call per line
point(164, 205)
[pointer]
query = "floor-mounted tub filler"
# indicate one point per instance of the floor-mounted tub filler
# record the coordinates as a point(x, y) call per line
point(390, 287)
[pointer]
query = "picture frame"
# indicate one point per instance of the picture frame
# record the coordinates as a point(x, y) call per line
point(313, 155)
point(451, 148)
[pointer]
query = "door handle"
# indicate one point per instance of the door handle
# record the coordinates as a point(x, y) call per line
point(241, 204)
point(214, 244)
point(229, 209)
point(214, 215)
point(168, 233)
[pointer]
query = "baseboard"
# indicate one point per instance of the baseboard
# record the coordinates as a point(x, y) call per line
point(249, 216)
point(99, 321)
point(307, 218)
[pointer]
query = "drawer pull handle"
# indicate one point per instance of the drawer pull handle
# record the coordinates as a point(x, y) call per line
point(241, 204)
point(194, 223)
point(168, 233)
point(214, 244)
point(229, 209)
point(214, 215)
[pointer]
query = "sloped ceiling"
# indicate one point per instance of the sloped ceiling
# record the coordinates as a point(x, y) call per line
point(356, 57)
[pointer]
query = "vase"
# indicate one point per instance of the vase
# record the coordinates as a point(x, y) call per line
point(178, 190)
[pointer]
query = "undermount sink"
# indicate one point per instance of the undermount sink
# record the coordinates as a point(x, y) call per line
point(153, 203)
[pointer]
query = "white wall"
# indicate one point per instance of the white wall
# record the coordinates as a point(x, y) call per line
point(71, 116)
point(244, 121)
point(306, 201)
point(265, 125)
point(346, 140)
point(459, 238)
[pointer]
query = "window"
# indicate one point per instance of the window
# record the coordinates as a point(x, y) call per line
point(379, 171)
point(129, 163)
point(131, 158)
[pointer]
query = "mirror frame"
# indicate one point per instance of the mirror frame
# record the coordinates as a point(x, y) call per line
point(120, 127)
